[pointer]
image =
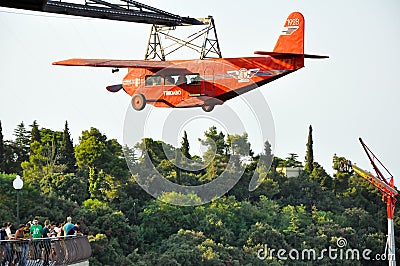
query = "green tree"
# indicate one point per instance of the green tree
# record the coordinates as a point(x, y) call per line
point(268, 186)
point(342, 175)
point(276, 162)
point(22, 138)
point(102, 162)
point(294, 221)
point(292, 161)
point(214, 141)
point(43, 157)
point(10, 159)
point(2, 152)
point(51, 143)
point(181, 249)
point(35, 169)
point(178, 171)
point(110, 236)
point(156, 151)
point(54, 149)
point(216, 156)
point(267, 157)
point(20, 146)
point(239, 144)
point(35, 133)
point(309, 159)
point(188, 247)
point(320, 176)
point(91, 149)
point(261, 234)
point(185, 146)
point(64, 186)
point(160, 220)
point(67, 155)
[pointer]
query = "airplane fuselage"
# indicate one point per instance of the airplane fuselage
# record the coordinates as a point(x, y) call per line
point(190, 83)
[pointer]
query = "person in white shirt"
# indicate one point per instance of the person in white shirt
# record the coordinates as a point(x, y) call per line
point(7, 246)
point(8, 231)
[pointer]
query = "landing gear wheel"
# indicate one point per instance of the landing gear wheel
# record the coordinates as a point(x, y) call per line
point(207, 108)
point(138, 102)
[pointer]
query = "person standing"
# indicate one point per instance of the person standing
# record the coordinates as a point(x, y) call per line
point(68, 226)
point(3, 236)
point(46, 242)
point(36, 232)
point(9, 251)
point(21, 247)
point(7, 246)
point(61, 230)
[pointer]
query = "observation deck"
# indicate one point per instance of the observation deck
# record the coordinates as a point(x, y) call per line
point(71, 250)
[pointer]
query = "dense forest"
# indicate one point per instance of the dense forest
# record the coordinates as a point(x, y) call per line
point(91, 182)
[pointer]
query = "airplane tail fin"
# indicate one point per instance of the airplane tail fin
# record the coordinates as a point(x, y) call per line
point(291, 39)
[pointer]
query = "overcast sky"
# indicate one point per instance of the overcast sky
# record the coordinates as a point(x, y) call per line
point(352, 94)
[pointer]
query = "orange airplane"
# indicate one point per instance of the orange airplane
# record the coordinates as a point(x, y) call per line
point(208, 82)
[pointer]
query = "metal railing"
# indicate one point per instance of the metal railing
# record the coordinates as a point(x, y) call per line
point(45, 251)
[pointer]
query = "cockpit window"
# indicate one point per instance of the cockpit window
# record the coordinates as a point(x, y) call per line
point(192, 79)
point(153, 80)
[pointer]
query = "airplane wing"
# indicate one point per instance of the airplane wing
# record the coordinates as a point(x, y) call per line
point(284, 55)
point(155, 65)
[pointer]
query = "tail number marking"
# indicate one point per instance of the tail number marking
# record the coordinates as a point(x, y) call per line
point(293, 22)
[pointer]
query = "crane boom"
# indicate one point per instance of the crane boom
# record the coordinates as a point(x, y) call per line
point(389, 195)
point(382, 186)
point(125, 10)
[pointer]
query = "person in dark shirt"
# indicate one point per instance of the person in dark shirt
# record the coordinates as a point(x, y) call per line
point(75, 230)
point(46, 244)
point(21, 247)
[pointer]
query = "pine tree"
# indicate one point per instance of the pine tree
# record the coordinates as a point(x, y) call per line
point(2, 152)
point(35, 133)
point(267, 149)
point(267, 157)
point(67, 155)
point(54, 151)
point(21, 136)
point(185, 146)
point(309, 159)
point(178, 161)
point(21, 144)
point(215, 140)
point(292, 161)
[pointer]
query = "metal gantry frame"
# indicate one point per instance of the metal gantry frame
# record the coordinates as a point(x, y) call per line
point(209, 49)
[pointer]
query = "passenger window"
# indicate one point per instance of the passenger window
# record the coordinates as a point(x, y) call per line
point(172, 80)
point(153, 80)
point(192, 79)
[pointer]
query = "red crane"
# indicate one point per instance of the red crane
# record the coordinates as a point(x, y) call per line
point(389, 193)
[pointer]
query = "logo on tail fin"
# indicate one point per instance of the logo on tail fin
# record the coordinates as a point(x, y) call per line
point(289, 30)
